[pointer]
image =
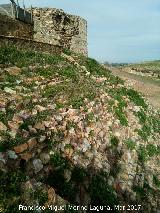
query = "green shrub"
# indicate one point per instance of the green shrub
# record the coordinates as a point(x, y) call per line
point(142, 154)
point(121, 116)
point(10, 55)
point(130, 144)
point(145, 132)
point(114, 141)
point(156, 181)
point(67, 51)
point(101, 193)
point(142, 116)
point(78, 174)
point(76, 102)
point(136, 98)
point(151, 149)
point(10, 188)
point(52, 91)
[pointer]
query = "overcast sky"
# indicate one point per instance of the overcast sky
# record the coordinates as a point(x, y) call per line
point(118, 30)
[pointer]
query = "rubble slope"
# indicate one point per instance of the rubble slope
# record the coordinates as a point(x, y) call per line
point(73, 133)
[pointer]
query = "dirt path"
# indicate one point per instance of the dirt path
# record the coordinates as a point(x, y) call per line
point(146, 85)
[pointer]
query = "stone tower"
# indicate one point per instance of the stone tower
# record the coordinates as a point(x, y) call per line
point(54, 26)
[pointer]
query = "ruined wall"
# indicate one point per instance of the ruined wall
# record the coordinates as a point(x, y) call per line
point(51, 26)
point(15, 28)
point(30, 45)
point(54, 26)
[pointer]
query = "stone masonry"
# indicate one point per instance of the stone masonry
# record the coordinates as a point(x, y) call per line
point(55, 27)
point(15, 28)
point(51, 26)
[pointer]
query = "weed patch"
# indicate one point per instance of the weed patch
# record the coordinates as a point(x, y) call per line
point(152, 150)
point(130, 144)
point(10, 55)
point(142, 154)
point(52, 91)
point(114, 141)
point(156, 181)
point(101, 192)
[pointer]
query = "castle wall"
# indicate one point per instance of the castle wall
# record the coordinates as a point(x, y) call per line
point(51, 26)
point(15, 28)
point(54, 26)
point(29, 45)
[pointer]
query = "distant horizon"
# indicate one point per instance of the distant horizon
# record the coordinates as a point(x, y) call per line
point(118, 32)
point(122, 62)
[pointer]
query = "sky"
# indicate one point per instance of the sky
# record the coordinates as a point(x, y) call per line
point(118, 30)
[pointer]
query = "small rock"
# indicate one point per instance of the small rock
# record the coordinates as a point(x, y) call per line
point(13, 125)
point(40, 108)
point(12, 155)
point(127, 157)
point(136, 108)
point(45, 158)
point(117, 134)
point(2, 127)
point(109, 123)
point(52, 153)
point(9, 90)
point(13, 133)
point(101, 134)
point(13, 70)
point(3, 167)
point(47, 123)
point(17, 119)
point(25, 133)
point(51, 106)
point(37, 163)
point(32, 130)
point(67, 175)
point(2, 158)
point(86, 145)
point(24, 114)
point(32, 143)
point(60, 201)
point(20, 148)
point(51, 197)
point(18, 82)
point(28, 185)
point(3, 102)
point(58, 118)
point(26, 156)
point(89, 154)
point(72, 131)
point(25, 69)
point(40, 126)
point(68, 152)
point(110, 181)
point(34, 112)
point(124, 177)
point(31, 68)
point(42, 138)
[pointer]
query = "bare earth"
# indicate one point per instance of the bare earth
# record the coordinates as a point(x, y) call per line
point(148, 86)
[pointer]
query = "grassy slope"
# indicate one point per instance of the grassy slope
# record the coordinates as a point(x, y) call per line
point(73, 87)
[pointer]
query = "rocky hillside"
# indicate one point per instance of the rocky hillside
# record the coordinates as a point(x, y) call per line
point(71, 133)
